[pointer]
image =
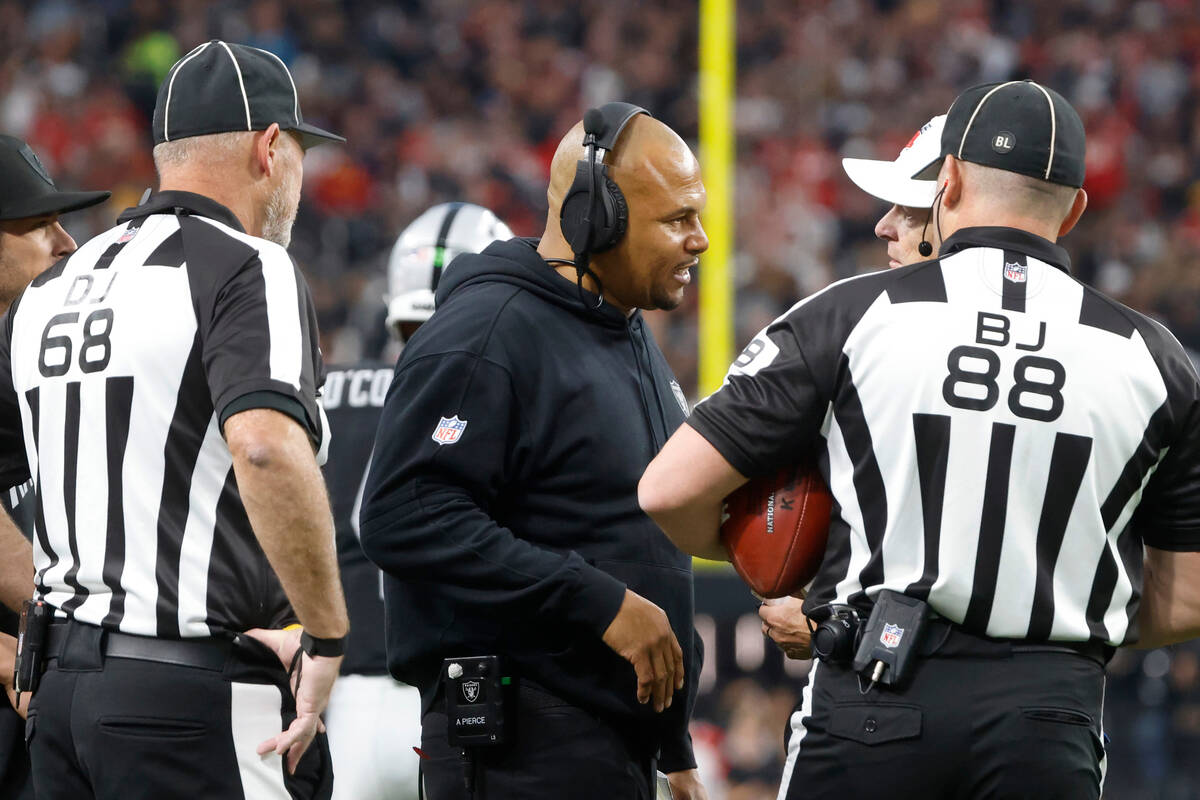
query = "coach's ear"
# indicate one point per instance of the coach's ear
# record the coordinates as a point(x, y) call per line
point(266, 149)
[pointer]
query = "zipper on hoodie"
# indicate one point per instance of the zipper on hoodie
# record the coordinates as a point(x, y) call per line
point(637, 340)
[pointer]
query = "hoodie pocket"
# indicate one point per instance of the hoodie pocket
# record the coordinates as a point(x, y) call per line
point(669, 588)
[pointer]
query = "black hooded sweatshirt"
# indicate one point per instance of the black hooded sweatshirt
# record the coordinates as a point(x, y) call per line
point(502, 496)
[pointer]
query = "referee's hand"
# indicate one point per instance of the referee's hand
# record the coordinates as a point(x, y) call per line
point(784, 624)
point(642, 635)
point(311, 685)
point(8, 658)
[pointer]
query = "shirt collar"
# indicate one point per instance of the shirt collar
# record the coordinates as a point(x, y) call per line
point(1008, 239)
point(176, 202)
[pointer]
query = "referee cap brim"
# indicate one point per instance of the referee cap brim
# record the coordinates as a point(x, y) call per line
point(881, 179)
point(893, 181)
point(311, 135)
point(26, 189)
point(52, 203)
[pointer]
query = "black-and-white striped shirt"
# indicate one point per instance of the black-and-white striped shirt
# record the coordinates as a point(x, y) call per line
point(999, 438)
point(118, 367)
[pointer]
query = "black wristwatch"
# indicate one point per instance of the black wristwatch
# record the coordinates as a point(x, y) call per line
point(322, 647)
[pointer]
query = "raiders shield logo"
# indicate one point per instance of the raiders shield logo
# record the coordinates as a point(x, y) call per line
point(470, 690)
point(35, 162)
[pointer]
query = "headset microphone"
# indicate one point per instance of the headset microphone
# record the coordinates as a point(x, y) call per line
point(925, 248)
point(593, 126)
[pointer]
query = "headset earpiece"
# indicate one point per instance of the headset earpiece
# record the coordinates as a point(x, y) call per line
point(594, 213)
point(616, 215)
point(576, 208)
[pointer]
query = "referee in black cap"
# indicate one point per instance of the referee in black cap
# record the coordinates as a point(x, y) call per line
point(1004, 444)
point(160, 387)
point(31, 240)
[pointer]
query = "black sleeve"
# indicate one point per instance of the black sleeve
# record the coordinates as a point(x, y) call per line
point(425, 512)
point(14, 464)
point(677, 753)
point(259, 336)
point(770, 409)
point(1168, 516)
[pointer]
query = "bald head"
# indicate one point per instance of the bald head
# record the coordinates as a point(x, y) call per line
point(651, 262)
point(646, 150)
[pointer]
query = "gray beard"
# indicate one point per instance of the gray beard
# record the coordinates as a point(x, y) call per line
point(278, 217)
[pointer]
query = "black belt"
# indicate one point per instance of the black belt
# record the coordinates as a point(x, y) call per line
point(943, 637)
point(210, 654)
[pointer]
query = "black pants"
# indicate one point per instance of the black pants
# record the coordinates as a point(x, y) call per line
point(1025, 725)
point(560, 751)
point(109, 727)
point(15, 783)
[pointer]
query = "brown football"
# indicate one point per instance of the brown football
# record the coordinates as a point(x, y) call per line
point(775, 528)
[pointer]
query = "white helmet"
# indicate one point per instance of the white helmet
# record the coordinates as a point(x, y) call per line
point(426, 247)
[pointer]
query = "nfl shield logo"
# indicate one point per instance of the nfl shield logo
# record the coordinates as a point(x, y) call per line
point(470, 690)
point(449, 430)
point(1014, 272)
point(891, 635)
point(128, 234)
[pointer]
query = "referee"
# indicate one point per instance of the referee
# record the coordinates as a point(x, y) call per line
point(159, 385)
point(905, 225)
point(1000, 441)
point(31, 240)
point(905, 228)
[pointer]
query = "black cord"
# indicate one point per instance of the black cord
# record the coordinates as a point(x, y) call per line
point(587, 218)
point(296, 669)
point(937, 217)
point(935, 213)
point(581, 268)
point(469, 765)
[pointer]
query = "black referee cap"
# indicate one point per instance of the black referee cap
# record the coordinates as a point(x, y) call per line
point(220, 87)
point(1018, 126)
point(26, 189)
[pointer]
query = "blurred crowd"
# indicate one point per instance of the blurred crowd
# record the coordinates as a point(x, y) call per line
point(466, 100)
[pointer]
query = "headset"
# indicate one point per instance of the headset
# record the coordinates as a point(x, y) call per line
point(594, 214)
point(925, 248)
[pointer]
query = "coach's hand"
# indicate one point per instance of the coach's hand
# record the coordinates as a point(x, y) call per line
point(686, 785)
point(784, 623)
point(311, 684)
point(641, 634)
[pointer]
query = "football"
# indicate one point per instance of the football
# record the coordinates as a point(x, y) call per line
point(775, 528)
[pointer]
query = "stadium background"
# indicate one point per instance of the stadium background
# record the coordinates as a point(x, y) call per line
point(466, 99)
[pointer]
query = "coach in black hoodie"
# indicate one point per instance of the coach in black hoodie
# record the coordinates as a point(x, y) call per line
point(502, 498)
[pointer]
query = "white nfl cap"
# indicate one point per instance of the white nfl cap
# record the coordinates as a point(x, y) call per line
point(426, 248)
point(892, 181)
